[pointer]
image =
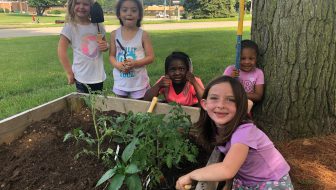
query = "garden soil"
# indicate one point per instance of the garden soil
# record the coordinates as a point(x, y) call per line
point(41, 160)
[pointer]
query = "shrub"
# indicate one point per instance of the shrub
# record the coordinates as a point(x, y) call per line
point(4, 10)
point(55, 12)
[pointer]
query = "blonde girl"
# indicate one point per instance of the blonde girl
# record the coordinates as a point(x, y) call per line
point(87, 70)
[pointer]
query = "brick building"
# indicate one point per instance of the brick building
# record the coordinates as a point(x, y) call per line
point(16, 6)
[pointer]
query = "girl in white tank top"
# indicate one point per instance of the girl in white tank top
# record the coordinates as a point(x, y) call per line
point(131, 50)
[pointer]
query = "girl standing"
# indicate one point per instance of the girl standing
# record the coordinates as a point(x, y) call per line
point(131, 50)
point(250, 157)
point(88, 67)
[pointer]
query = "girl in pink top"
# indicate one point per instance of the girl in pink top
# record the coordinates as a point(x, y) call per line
point(251, 159)
point(179, 84)
point(251, 77)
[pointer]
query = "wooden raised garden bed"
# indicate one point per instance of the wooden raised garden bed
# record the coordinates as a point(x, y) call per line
point(54, 111)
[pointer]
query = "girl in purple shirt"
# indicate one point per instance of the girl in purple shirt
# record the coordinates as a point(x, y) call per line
point(251, 159)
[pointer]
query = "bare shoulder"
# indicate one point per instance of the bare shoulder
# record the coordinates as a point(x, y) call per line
point(113, 32)
point(145, 34)
point(64, 38)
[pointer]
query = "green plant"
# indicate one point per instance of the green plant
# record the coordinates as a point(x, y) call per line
point(147, 141)
point(124, 170)
point(100, 126)
point(157, 138)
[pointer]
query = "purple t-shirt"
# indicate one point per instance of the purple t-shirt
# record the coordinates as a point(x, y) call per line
point(264, 162)
point(247, 79)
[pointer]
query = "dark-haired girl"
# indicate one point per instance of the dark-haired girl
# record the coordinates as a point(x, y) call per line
point(251, 159)
point(250, 76)
point(179, 84)
point(131, 50)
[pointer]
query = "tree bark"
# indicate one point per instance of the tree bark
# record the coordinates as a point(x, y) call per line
point(297, 41)
point(40, 10)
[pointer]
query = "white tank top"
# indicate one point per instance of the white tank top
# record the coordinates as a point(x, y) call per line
point(137, 78)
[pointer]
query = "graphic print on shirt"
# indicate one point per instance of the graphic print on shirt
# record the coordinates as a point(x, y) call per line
point(130, 54)
point(248, 84)
point(89, 45)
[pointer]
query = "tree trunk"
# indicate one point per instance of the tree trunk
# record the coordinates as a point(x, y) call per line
point(40, 10)
point(297, 41)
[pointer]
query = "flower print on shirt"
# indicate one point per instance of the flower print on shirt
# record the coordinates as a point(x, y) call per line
point(89, 46)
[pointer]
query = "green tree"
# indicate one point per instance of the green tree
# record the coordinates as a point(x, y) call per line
point(42, 5)
point(108, 5)
point(297, 41)
point(210, 8)
point(248, 5)
point(155, 2)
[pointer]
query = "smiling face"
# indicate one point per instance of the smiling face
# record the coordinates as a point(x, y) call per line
point(129, 13)
point(220, 104)
point(82, 10)
point(248, 60)
point(177, 71)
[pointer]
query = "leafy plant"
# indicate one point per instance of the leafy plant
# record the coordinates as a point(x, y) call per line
point(102, 131)
point(148, 143)
point(124, 170)
point(159, 142)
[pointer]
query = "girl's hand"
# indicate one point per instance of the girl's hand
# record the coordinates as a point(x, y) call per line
point(102, 45)
point(121, 67)
point(71, 78)
point(191, 77)
point(129, 64)
point(165, 82)
point(183, 182)
point(235, 73)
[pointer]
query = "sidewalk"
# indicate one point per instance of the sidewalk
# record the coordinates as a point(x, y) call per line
point(24, 32)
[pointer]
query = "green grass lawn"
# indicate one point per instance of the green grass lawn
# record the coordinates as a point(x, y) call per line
point(31, 73)
point(25, 21)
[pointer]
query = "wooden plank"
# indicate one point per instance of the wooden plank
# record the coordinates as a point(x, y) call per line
point(12, 127)
point(124, 105)
point(206, 185)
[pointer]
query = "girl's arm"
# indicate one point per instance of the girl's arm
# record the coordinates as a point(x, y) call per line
point(257, 94)
point(154, 91)
point(113, 50)
point(219, 171)
point(149, 52)
point(63, 45)
point(102, 45)
point(198, 87)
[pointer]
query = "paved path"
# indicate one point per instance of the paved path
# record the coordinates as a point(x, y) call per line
point(22, 32)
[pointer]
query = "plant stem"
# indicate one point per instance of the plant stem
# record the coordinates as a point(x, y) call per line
point(93, 110)
point(157, 150)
